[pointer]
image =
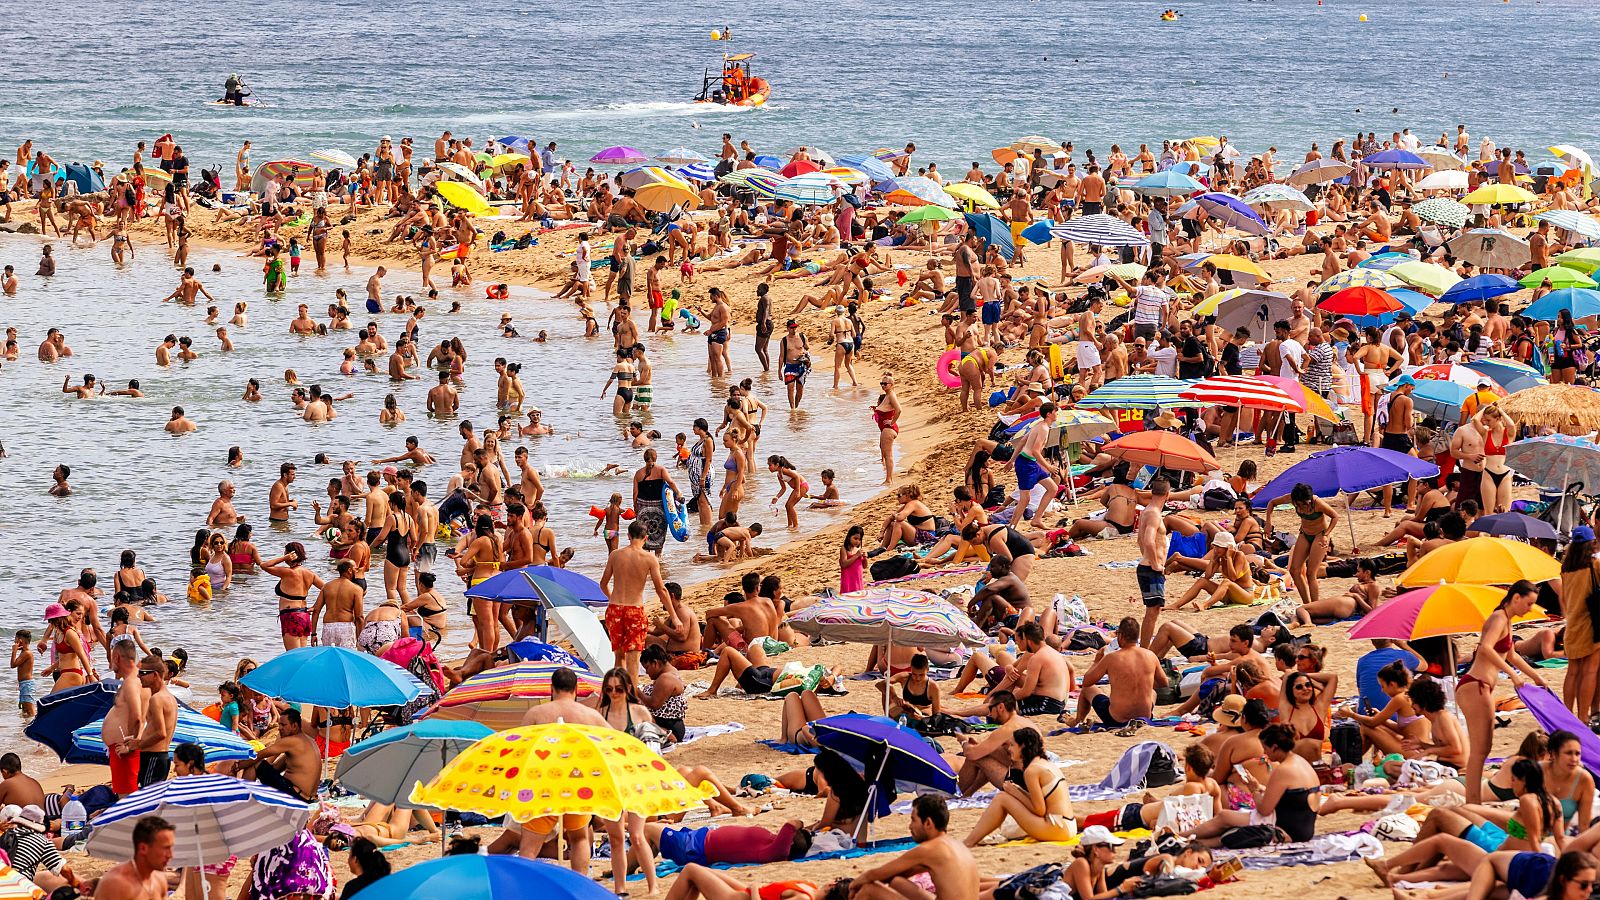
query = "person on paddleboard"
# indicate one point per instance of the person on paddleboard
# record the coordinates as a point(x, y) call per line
point(234, 90)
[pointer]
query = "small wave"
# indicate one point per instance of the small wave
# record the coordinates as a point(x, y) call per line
point(658, 109)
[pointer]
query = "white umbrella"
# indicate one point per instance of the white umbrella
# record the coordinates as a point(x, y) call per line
point(1573, 156)
point(680, 156)
point(1491, 248)
point(334, 158)
point(215, 817)
point(1444, 180)
point(462, 173)
point(1319, 171)
point(1441, 159)
point(588, 637)
point(1277, 196)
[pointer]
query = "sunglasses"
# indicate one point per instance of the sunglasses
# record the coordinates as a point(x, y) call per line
point(143, 672)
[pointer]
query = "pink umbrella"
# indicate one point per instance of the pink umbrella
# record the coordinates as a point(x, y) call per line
point(1430, 612)
point(619, 156)
point(1456, 373)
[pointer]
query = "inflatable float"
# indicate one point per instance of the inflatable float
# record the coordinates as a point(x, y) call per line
point(677, 519)
point(945, 368)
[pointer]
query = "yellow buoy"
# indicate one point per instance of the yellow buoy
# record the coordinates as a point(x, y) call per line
point(1363, 17)
point(716, 35)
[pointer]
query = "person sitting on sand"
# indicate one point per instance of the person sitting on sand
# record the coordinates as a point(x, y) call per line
point(1146, 812)
point(912, 694)
point(950, 870)
point(733, 543)
point(1038, 679)
point(1288, 799)
point(1032, 795)
point(1134, 673)
point(983, 759)
point(1227, 577)
point(1432, 505)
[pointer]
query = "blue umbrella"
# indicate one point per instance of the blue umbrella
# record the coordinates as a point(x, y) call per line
point(768, 161)
point(1170, 183)
point(1347, 470)
point(699, 172)
point(1581, 302)
point(63, 712)
point(387, 765)
point(1039, 232)
point(474, 877)
point(888, 753)
point(1515, 524)
point(1383, 262)
point(538, 651)
point(993, 231)
point(521, 584)
point(519, 144)
point(1440, 399)
point(873, 167)
point(1493, 167)
point(1480, 287)
point(193, 727)
point(333, 677)
point(1513, 376)
point(1232, 212)
point(1395, 159)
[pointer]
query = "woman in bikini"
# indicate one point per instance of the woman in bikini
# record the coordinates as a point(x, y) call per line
point(480, 561)
point(431, 608)
point(70, 664)
point(1227, 577)
point(1360, 598)
point(1566, 777)
point(735, 468)
point(913, 694)
point(1033, 795)
point(294, 586)
point(1475, 690)
point(1317, 520)
point(1433, 504)
point(904, 526)
point(1498, 433)
point(544, 537)
point(1305, 706)
point(788, 478)
point(397, 537)
point(246, 558)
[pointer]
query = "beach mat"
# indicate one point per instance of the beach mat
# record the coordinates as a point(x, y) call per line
point(665, 867)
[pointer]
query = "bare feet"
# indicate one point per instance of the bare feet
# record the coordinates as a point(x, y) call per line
point(1380, 868)
point(704, 696)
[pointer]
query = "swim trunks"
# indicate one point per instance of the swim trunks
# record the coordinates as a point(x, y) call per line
point(1199, 645)
point(757, 679)
point(684, 845)
point(720, 336)
point(656, 300)
point(294, 622)
point(339, 634)
point(991, 312)
point(27, 692)
point(626, 626)
point(154, 767)
point(1088, 355)
point(642, 395)
point(795, 373)
point(1400, 443)
point(1040, 706)
point(1101, 705)
point(124, 772)
point(1029, 472)
point(1152, 585)
point(964, 300)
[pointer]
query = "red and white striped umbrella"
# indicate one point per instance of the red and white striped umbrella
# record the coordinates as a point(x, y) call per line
point(1455, 372)
point(1243, 391)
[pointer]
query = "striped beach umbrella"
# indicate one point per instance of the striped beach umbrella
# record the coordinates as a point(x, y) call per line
point(1319, 171)
point(875, 168)
point(214, 817)
point(1243, 391)
point(1509, 374)
point(810, 189)
point(1138, 392)
point(1368, 278)
point(741, 177)
point(1573, 221)
point(889, 615)
point(847, 175)
point(702, 171)
point(1442, 211)
point(499, 697)
point(1277, 196)
point(764, 185)
point(192, 727)
point(1104, 230)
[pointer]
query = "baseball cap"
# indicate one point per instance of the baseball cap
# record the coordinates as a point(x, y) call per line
point(1098, 834)
point(1583, 533)
point(1402, 381)
point(1484, 383)
point(1230, 710)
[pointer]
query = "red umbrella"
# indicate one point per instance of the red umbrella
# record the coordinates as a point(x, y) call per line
point(1242, 390)
point(1162, 449)
point(799, 167)
point(1361, 301)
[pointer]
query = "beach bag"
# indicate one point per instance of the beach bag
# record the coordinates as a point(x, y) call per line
point(1071, 614)
point(1397, 827)
point(1217, 499)
point(940, 724)
point(797, 676)
point(1345, 738)
point(1164, 886)
point(1390, 563)
point(1084, 639)
point(894, 567)
point(1163, 770)
point(1029, 884)
point(1249, 837)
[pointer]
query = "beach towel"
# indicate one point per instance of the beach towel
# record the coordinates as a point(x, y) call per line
point(1554, 716)
point(665, 868)
point(935, 573)
point(1126, 777)
point(1136, 834)
point(1129, 564)
point(1322, 850)
point(695, 733)
point(792, 749)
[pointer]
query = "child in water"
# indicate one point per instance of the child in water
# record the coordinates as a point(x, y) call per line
point(294, 256)
point(612, 520)
point(829, 498)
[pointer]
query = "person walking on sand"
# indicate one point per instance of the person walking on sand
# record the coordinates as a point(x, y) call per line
point(1152, 568)
point(626, 573)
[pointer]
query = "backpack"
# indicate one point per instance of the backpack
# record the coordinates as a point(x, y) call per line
point(1029, 884)
point(894, 567)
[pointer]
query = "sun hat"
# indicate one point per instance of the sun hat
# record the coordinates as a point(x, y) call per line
point(54, 611)
point(1230, 711)
point(1224, 539)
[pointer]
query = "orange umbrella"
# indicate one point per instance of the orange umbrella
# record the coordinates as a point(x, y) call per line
point(1162, 449)
point(1003, 155)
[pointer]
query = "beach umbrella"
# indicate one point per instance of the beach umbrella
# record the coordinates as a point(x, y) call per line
point(214, 817)
point(814, 189)
point(875, 168)
point(697, 172)
point(1243, 391)
point(638, 177)
point(59, 714)
point(386, 765)
point(463, 197)
point(1559, 277)
point(1162, 449)
point(1433, 611)
point(1584, 259)
point(1310, 401)
point(333, 677)
point(1424, 276)
point(764, 185)
point(798, 167)
point(1481, 287)
point(515, 143)
point(1465, 376)
point(1137, 392)
point(1492, 167)
point(1498, 195)
point(559, 769)
point(1360, 301)
point(1490, 248)
point(1515, 524)
point(1319, 171)
point(890, 756)
point(192, 727)
point(1277, 196)
point(498, 877)
point(680, 156)
point(740, 177)
point(1234, 297)
point(1441, 399)
point(1232, 212)
point(1395, 158)
point(498, 697)
point(1556, 460)
point(1251, 308)
point(928, 213)
point(768, 161)
point(1129, 272)
point(456, 171)
point(914, 190)
point(295, 171)
point(1442, 211)
point(1073, 425)
point(619, 156)
point(974, 194)
point(1104, 230)
point(1347, 470)
point(508, 160)
point(1228, 262)
point(1567, 408)
point(1572, 156)
point(1364, 278)
point(1509, 374)
point(1443, 160)
point(848, 175)
point(663, 196)
point(1482, 560)
point(993, 231)
point(887, 616)
point(1039, 231)
point(334, 158)
point(1580, 302)
point(15, 886)
point(530, 650)
point(580, 627)
point(1454, 180)
point(1035, 142)
point(1168, 183)
point(1385, 261)
point(1573, 221)
point(522, 585)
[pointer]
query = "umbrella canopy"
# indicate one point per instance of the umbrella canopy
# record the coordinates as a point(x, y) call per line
point(1567, 408)
point(889, 615)
point(1584, 259)
point(1074, 425)
point(1573, 221)
point(1244, 391)
point(549, 770)
point(1436, 611)
point(333, 677)
point(1126, 271)
point(994, 232)
point(638, 177)
point(334, 158)
point(929, 213)
point(507, 160)
point(972, 193)
point(1228, 262)
point(740, 177)
point(1137, 392)
point(888, 753)
point(1232, 212)
point(474, 877)
point(582, 628)
point(463, 197)
point(458, 171)
point(14, 886)
point(221, 744)
point(1395, 158)
point(1442, 159)
point(524, 584)
point(1482, 560)
point(1425, 276)
point(1580, 302)
point(1442, 211)
point(1511, 375)
point(1309, 400)
point(875, 168)
point(1556, 460)
point(386, 765)
point(297, 171)
point(61, 713)
point(1481, 287)
point(1101, 229)
point(1572, 156)
point(1034, 142)
point(697, 172)
point(214, 816)
point(1466, 376)
point(1448, 180)
point(1490, 248)
point(619, 156)
point(915, 189)
point(1213, 304)
point(1441, 399)
point(1170, 183)
point(848, 175)
point(798, 167)
point(1499, 195)
point(1385, 261)
point(1367, 278)
point(1251, 308)
point(1276, 197)
point(1515, 524)
point(1346, 470)
point(499, 697)
point(1360, 301)
point(662, 196)
point(1162, 449)
point(811, 189)
point(1319, 171)
point(1558, 276)
point(515, 143)
point(680, 156)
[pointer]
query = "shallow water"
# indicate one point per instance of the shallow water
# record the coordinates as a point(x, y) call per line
point(138, 488)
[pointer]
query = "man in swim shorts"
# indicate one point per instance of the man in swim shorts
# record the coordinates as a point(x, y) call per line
point(796, 362)
point(628, 570)
point(1089, 363)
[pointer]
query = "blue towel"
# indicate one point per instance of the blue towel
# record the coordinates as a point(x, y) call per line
point(665, 868)
point(794, 749)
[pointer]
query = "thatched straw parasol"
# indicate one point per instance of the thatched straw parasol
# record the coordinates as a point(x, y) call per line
point(1567, 408)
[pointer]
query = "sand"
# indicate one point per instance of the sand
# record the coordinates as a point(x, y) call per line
point(936, 438)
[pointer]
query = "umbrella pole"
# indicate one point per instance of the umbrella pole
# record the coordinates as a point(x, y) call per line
point(888, 670)
point(1350, 519)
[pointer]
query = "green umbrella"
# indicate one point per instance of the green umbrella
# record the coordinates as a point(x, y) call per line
point(1560, 277)
point(929, 213)
point(1584, 259)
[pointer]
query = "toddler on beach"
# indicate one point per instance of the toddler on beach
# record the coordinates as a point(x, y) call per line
point(22, 661)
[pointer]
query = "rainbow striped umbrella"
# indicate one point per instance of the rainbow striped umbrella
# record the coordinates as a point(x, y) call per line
point(764, 185)
point(499, 697)
point(889, 615)
point(739, 177)
point(1138, 392)
point(14, 886)
point(1350, 278)
point(1243, 391)
point(915, 189)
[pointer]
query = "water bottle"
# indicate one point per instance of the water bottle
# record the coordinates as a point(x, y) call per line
point(902, 720)
point(73, 815)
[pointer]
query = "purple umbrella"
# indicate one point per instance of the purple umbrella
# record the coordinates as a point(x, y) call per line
point(619, 156)
point(1553, 716)
point(1232, 212)
point(1348, 470)
point(1493, 167)
point(888, 754)
point(1395, 159)
point(1515, 524)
